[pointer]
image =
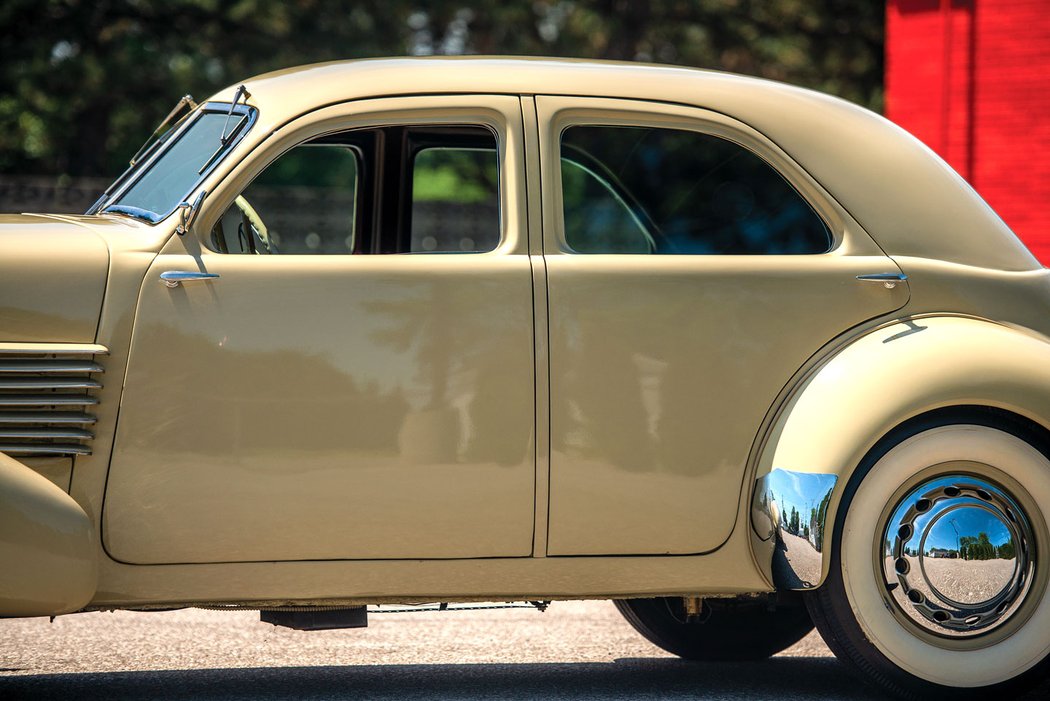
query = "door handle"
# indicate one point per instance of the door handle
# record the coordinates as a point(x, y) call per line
point(889, 280)
point(173, 278)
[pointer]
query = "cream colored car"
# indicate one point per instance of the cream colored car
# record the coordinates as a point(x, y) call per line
point(735, 354)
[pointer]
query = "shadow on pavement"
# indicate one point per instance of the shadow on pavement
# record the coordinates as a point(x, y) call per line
point(635, 679)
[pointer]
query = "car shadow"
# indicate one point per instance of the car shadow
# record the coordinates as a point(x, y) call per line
point(774, 679)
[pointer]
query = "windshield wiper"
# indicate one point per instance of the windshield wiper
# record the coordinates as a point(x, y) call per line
point(242, 92)
point(224, 138)
point(146, 149)
point(184, 102)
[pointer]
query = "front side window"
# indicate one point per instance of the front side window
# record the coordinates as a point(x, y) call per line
point(416, 189)
point(305, 202)
point(670, 191)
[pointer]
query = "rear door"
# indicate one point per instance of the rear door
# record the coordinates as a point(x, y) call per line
point(692, 268)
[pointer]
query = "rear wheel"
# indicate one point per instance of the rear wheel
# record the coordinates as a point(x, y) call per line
point(724, 630)
point(939, 570)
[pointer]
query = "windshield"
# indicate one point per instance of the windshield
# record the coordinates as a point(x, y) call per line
point(173, 173)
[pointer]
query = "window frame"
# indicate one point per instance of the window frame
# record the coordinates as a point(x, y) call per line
point(559, 113)
point(500, 114)
point(359, 163)
point(416, 146)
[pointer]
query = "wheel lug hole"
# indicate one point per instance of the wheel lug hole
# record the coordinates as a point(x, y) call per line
point(916, 596)
point(951, 491)
point(923, 505)
point(902, 566)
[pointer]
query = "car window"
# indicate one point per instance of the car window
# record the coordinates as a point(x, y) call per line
point(690, 192)
point(175, 172)
point(416, 189)
point(455, 200)
point(304, 202)
point(597, 215)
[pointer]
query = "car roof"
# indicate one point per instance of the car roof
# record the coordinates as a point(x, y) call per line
point(904, 195)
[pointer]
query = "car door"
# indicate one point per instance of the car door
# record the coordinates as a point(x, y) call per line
point(357, 380)
point(692, 268)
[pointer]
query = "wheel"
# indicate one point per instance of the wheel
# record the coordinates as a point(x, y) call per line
point(725, 629)
point(938, 580)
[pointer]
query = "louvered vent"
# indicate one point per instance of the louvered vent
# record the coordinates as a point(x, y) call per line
point(48, 394)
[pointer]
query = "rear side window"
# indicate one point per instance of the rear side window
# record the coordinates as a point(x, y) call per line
point(670, 191)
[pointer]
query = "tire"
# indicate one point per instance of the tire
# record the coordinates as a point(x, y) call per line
point(928, 621)
point(727, 630)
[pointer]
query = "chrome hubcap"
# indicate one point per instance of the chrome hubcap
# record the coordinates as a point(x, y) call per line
point(958, 556)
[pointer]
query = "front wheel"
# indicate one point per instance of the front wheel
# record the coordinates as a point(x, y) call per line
point(724, 630)
point(939, 569)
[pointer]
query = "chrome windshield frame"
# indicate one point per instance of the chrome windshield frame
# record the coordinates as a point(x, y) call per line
point(250, 115)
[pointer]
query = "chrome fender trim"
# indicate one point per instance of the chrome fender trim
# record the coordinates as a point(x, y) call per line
point(789, 513)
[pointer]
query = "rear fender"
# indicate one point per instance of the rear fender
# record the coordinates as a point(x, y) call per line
point(836, 414)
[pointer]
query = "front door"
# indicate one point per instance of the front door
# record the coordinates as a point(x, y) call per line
point(358, 381)
point(692, 269)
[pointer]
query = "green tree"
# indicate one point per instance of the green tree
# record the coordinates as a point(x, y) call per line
point(83, 82)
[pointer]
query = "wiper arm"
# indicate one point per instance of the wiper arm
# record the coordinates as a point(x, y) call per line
point(224, 138)
point(146, 148)
point(184, 101)
point(242, 92)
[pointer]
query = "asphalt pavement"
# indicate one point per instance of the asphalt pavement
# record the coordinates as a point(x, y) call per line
point(575, 650)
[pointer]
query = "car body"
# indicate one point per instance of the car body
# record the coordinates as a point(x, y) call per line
point(520, 342)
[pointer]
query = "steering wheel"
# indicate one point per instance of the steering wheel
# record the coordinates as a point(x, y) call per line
point(253, 228)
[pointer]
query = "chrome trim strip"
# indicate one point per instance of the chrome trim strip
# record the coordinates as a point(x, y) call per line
point(26, 449)
point(7, 400)
point(52, 349)
point(71, 433)
point(57, 418)
point(791, 508)
point(47, 383)
point(33, 365)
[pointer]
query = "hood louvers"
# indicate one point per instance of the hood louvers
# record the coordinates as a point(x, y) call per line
point(48, 393)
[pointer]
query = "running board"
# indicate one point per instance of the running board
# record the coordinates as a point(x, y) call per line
point(324, 619)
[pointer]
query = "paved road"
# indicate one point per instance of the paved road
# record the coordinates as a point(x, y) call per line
point(576, 650)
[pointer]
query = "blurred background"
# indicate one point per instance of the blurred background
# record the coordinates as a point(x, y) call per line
point(84, 82)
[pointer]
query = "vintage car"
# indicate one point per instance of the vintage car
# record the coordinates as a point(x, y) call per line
point(740, 356)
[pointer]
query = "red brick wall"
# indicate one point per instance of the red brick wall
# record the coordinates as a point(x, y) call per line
point(971, 78)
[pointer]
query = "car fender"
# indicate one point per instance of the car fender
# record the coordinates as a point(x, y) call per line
point(48, 550)
point(842, 406)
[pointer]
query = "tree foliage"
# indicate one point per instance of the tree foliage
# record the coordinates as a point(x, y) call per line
point(83, 82)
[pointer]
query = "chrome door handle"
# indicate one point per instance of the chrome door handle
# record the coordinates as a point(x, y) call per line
point(173, 278)
point(890, 280)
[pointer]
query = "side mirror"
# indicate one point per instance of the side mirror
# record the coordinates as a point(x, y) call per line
point(188, 213)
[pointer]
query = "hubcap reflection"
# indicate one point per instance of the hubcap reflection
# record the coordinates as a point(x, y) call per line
point(958, 556)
